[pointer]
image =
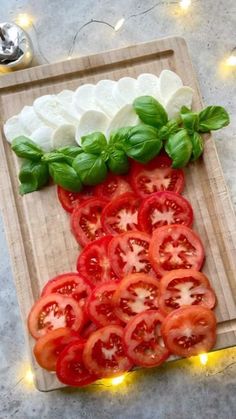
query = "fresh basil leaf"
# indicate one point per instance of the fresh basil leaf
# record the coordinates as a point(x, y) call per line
point(171, 127)
point(198, 145)
point(55, 156)
point(118, 162)
point(27, 149)
point(94, 143)
point(117, 138)
point(65, 176)
point(90, 168)
point(33, 175)
point(150, 111)
point(143, 143)
point(179, 148)
point(190, 119)
point(70, 150)
point(213, 118)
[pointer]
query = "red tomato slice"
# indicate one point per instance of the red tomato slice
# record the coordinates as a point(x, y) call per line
point(100, 306)
point(54, 311)
point(135, 293)
point(164, 208)
point(93, 262)
point(189, 330)
point(128, 253)
point(112, 187)
point(143, 340)
point(69, 284)
point(157, 175)
point(121, 214)
point(175, 247)
point(70, 366)
point(48, 347)
point(183, 287)
point(104, 353)
point(70, 199)
point(88, 330)
point(85, 220)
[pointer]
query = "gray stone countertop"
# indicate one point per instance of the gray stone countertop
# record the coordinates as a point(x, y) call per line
point(180, 390)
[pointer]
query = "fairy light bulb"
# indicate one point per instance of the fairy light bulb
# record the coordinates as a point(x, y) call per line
point(117, 380)
point(231, 60)
point(24, 20)
point(203, 358)
point(119, 24)
point(29, 376)
point(185, 4)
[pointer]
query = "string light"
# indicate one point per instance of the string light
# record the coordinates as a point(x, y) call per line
point(24, 20)
point(117, 380)
point(231, 60)
point(119, 24)
point(203, 358)
point(185, 4)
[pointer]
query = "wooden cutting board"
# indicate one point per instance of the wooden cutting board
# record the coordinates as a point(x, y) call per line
point(37, 228)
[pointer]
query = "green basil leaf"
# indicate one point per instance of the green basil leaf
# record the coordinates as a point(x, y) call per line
point(179, 148)
point(170, 128)
point(90, 168)
point(64, 175)
point(118, 162)
point(70, 150)
point(94, 143)
point(150, 111)
point(213, 118)
point(143, 143)
point(55, 156)
point(117, 138)
point(33, 175)
point(198, 145)
point(27, 149)
point(190, 119)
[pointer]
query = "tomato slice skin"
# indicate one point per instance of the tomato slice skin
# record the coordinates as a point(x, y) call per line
point(49, 346)
point(70, 367)
point(100, 307)
point(189, 331)
point(113, 187)
point(129, 253)
point(157, 175)
point(86, 220)
point(104, 353)
point(164, 208)
point(93, 262)
point(175, 247)
point(143, 340)
point(69, 199)
point(134, 294)
point(121, 214)
point(52, 312)
point(182, 287)
point(88, 330)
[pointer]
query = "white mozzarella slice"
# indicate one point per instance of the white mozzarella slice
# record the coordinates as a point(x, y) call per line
point(63, 136)
point(148, 84)
point(125, 90)
point(84, 98)
point(13, 128)
point(169, 82)
point(91, 121)
point(50, 110)
point(125, 117)
point(182, 97)
point(29, 119)
point(104, 98)
point(42, 136)
point(65, 98)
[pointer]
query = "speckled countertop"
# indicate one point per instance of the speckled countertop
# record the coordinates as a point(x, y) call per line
point(180, 390)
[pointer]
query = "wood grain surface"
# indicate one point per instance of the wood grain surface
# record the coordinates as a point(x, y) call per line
point(37, 228)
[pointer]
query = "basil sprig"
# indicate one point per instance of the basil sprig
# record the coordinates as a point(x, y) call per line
point(33, 176)
point(27, 149)
point(142, 143)
point(90, 168)
point(150, 111)
point(213, 118)
point(179, 148)
point(64, 175)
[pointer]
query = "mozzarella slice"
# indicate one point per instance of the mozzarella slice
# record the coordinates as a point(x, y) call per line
point(169, 82)
point(65, 98)
point(84, 98)
point(91, 121)
point(42, 137)
point(125, 117)
point(125, 90)
point(13, 128)
point(182, 97)
point(148, 84)
point(104, 98)
point(29, 119)
point(63, 135)
point(50, 110)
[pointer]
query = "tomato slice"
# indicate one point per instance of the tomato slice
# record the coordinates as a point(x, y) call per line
point(157, 175)
point(54, 311)
point(88, 330)
point(135, 293)
point(128, 253)
point(143, 341)
point(182, 287)
point(69, 284)
point(70, 366)
point(175, 247)
point(121, 214)
point(49, 346)
point(163, 208)
point(85, 220)
point(100, 306)
point(69, 199)
point(93, 262)
point(104, 353)
point(189, 330)
point(112, 187)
